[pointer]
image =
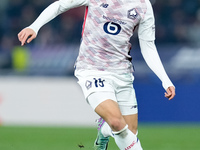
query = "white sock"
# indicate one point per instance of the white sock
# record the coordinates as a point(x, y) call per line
point(106, 130)
point(126, 140)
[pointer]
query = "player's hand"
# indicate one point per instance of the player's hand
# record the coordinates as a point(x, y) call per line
point(170, 92)
point(26, 36)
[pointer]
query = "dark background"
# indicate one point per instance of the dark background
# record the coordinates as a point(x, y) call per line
point(54, 52)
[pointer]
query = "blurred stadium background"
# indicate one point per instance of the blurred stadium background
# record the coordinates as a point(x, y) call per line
point(37, 87)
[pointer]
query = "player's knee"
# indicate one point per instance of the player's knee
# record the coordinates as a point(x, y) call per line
point(116, 124)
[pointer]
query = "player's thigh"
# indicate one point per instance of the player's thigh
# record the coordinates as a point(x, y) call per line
point(130, 112)
point(110, 112)
point(125, 94)
point(132, 121)
point(127, 101)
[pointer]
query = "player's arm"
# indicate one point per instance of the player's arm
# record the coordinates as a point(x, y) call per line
point(53, 10)
point(150, 54)
point(146, 33)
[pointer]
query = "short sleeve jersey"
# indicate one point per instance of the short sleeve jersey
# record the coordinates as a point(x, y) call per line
point(107, 29)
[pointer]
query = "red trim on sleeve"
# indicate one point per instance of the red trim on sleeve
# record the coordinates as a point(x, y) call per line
point(86, 12)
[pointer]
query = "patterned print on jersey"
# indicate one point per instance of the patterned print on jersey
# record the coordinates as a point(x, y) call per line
point(108, 27)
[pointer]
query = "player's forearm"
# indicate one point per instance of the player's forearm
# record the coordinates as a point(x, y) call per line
point(152, 59)
point(54, 10)
point(47, 15)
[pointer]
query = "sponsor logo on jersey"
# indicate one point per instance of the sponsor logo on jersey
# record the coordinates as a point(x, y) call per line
point(111, 19)
point(112, 28)
point(132, 13)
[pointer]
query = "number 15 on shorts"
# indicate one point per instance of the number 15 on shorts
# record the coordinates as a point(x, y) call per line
point(97, 83)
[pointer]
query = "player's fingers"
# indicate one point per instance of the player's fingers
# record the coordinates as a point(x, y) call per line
point(31, 38)
point(24, 38)
point(20, 35)
point(170, 93)
point(167, 95)
point(26, 35)
point(172, 89)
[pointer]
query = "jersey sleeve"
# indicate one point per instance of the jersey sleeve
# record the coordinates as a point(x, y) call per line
point(146, 30)
point(152, 58)
point(69, 4)
point(54, 10)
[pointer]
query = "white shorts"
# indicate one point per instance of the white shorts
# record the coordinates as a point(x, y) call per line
point(99, 86)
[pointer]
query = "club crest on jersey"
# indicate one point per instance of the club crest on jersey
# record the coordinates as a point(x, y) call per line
point(132, 14)
point(88, 84)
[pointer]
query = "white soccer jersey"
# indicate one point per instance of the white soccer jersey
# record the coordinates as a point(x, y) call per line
point(107, 29)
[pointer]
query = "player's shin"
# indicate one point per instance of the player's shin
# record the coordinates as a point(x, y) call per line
point(126, 140)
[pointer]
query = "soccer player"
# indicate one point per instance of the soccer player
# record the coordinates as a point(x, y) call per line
point(104, 67)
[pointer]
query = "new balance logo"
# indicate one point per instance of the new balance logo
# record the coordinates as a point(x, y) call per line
point(135, 106)
point(104, 5)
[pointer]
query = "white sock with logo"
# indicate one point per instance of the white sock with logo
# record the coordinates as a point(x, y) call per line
point(126, 140)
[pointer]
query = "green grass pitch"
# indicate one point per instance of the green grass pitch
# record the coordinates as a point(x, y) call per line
point(153, 137)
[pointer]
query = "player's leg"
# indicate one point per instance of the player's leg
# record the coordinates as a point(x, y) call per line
point(110, 112)
point(97, 88)
point(132, 121)
point(128, 104)
point(100, 94)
